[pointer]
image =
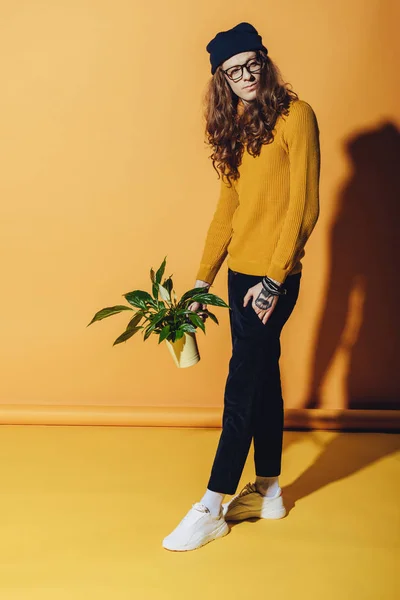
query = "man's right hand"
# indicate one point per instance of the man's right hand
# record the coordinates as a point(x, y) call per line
point(197, 306)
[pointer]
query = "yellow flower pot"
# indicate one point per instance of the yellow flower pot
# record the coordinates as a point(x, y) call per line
point(184, 351)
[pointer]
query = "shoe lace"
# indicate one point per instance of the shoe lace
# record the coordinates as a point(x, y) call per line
point(249, 488)
point(200, 506)
point(197, 506)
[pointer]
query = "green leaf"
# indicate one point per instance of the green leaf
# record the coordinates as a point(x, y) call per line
point(107, 312)
point(212, 316)
point(188, 327)
point(139, 298)
point(160, 305)
point(188, 295)
point(197, 321)
point(126, 335)
point(154, 303)
point(184, 311)
point(161, 270)
point(210, 299)
point(147, 334)
point(165, 331)
point(138, 316)
point(179, 334)
point(149, 330)
point(168, 284)
point(157, 318)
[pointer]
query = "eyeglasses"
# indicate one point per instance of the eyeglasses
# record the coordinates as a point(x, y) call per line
point(254, 65)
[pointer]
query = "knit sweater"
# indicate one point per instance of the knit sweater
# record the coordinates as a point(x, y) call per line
point(263, 222)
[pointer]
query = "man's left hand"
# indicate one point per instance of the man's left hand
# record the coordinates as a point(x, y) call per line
point(263, 302)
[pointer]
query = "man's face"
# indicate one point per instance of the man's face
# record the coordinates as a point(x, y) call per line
point(241, 88)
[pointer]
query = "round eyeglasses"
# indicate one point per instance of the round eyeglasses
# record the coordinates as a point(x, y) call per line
point(235, 73)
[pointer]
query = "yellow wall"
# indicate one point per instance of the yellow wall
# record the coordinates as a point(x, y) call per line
point(104, 171)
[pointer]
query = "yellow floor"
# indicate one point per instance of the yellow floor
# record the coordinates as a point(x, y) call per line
point(84, 510)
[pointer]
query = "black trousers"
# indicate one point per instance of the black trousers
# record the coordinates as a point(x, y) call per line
point(253, 403)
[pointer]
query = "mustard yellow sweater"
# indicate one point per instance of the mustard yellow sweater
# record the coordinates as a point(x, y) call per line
point(263, 222)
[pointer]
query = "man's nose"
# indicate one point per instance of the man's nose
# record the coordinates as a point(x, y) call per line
point(246, 74)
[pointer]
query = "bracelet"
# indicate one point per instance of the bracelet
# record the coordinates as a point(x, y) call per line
point(271, 287)
point(272, 283)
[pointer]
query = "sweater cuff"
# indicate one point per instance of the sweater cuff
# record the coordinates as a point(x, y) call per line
point(277, 272)
point(207, 273)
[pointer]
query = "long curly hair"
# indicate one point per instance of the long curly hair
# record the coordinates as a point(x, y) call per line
point(229, 130)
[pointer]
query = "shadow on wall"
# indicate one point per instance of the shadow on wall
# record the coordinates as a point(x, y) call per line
point(364, 279)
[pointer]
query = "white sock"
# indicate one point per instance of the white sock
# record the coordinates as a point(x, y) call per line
point(267, 486)
point(213, 501)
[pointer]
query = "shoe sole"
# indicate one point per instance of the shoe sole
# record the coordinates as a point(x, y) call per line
point(222, 530)
point(279, 513)
point(274, 509)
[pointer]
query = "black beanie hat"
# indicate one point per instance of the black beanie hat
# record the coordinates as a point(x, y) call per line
point(225, 44)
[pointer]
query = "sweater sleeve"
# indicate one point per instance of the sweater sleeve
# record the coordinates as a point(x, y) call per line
point(219, 233)
point(301, 135)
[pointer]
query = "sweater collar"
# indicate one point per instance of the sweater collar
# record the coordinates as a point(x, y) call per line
point(240, 107)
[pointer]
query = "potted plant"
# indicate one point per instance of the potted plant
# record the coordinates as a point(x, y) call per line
point(166, 317)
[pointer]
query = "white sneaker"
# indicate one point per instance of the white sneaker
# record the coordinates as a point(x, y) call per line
point(198, 527)
point(250, 503)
